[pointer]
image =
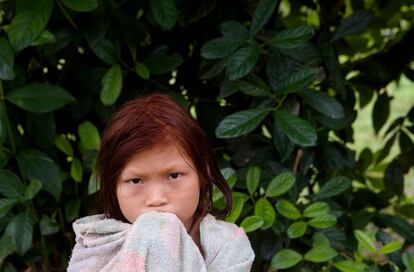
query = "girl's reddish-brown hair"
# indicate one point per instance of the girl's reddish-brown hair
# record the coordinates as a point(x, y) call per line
point(143, 123)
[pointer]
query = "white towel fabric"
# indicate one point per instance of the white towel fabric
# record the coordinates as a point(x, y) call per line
point(158, 242)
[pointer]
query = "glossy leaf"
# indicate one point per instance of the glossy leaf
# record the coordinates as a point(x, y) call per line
point(6, 204)
point(265, 210)
point(81, 5)
point(290, 38)
point(323, 103)
point(6, 60)
point(241, 123)
point(322, 221)
point(32, 190)
point(238, 203)
point(10, 185)
point(40, 97)
point(288, 210)
point(76, 170)
point(111, 85)
point(27, 25)
point(296, 129)
point(89, 136)
point(234, 30)
point(285, 258)
point(297, 229)
point(36, 165)
point(321, 250)
point(165, 12)
point(355, 23)
point(261, 15)
point(350, 266)
point(241, 62)
point(252, 179)
point(220, 47)
point(316, 209)
point(333, 187)
point(297, 81)
point(365, 241)
point(20, 228)
point(280, 184)
point(390, 247)
point(252, 223)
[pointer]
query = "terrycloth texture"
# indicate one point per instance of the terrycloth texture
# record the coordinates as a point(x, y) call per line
point(158, 242)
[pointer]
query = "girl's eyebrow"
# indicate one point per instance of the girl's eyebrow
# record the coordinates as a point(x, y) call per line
point(169, 168)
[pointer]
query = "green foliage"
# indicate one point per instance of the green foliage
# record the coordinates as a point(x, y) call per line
point(275, 85)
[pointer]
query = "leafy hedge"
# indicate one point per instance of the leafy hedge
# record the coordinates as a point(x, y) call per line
point(274, 84)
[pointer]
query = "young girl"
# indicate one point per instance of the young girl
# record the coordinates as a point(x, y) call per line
point(157, 172)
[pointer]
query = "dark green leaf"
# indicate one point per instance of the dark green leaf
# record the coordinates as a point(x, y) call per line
point(165, 12)
point(394, 178)
point(285, 258)
point(220, 47)
point(89, 136)
point(265, 210)
point(142, 70)
point(36, 165)
point(323, 103)
point(234, 30)
point(242, 61)
point(81, 5)
point(20, 228)
point(26, 26)
point(252, 223)
point(241, 123)
point(159, 62)
point(72, 209)
point(262, 14)
point(48, 226)
point(296, 129)
point(6, 247)
point(297, 81)
point(290, 38)
point(32, 190)
point(252, 89)
point(40, 97)
point(333, 187)
point(381, 111)
point(408, 260)
point(6, 204)
point(297, 229)
point(111, 85)
point(6, 60)
point(44, 38)
point(42, 129)
point(10, 185)
point(280, 184)
point(282, 143)
point(399, 225)
point(288, 210)
point(355, 23)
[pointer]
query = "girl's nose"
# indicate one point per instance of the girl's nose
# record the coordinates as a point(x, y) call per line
point(156, 197)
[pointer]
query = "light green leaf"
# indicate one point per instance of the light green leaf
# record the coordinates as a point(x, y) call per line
point(48, 226)
point(321, 250)
point(296, 129)
point(165, 12)
point(241, 62)
point(89, 136)
point(111, 85)
point(265, 210)
point(323, 103)
point(220, 47)
point(280, 184)
point(365, 241)
point(142, 70)
point(44, 38)
point(32, 190)
point(6, 60)
point(261, 15)
point(297, 229)
point(63, 144)
point(287, 209)
point(285, 258)
point(316, 209)
point(93, 185)
point(240, 123)
point(290, 38)
point(408, 261)
point(355, 23)
point(27, 25)
point(6, 204)
point(81, 5)
point(76, 170)
point(36, 165)
point(323, 221)
point(390, 247)
point(238, 202)
point(333, 187)
point(252, 223)
point(252, 179)
point(20, 228)
point(10, 185)
point(40, 97)
point(350, 266)
point(297, 81)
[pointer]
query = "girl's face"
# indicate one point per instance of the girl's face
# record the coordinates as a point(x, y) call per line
point(159, 179)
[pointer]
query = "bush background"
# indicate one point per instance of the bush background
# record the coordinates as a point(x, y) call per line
point(280, 87)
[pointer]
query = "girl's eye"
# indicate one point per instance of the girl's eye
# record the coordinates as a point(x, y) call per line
point(134, 181)
point(175, 175)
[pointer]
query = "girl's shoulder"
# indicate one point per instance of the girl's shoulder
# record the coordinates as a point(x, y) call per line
point(220, 228)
